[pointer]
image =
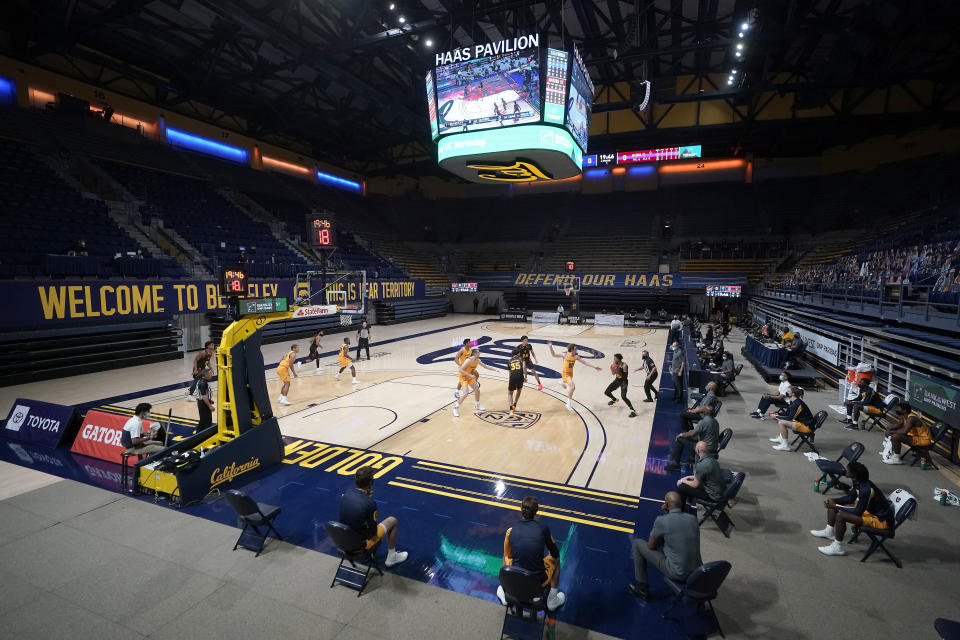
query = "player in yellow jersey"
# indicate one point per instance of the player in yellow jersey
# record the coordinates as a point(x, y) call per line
point(517, 368)
point(344, 359)
point(469, 381)
point(566, 373)
point(284, 369)
point(461, 355)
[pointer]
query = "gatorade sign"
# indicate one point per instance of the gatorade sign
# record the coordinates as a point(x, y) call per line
point(100, 436)
point(40, 423)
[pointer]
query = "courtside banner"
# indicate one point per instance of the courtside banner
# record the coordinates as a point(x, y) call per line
point(37, 304)
point(543, 316)
point(99, 436)
point(41, 423)
point(935, 398)
point(608, 320)
point(606, 280)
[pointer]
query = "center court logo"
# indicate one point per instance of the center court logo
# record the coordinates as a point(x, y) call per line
point(519, 420)
point(19, 416)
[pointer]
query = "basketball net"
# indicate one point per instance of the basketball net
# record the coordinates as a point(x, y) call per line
point(346, 321)
point(567, 289)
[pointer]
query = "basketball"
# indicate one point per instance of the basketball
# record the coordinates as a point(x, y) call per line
point(613, 368)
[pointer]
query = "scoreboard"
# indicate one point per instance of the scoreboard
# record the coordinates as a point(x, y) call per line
point(321, 232)
point(463, 287)
point(724, 290)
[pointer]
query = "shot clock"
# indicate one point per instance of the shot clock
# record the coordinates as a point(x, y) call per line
point(321, 232)
point(234, 282)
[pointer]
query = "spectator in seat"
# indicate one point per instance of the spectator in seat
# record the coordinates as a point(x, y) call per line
point(706, 482)
point(144, 443)
point(728, 371)
point(690, 416)
point(778, 399)
point(864, 505)
point(79, 248)
point(787, 337)
point(910, 430)
point(708, 336)
point(706, 431)
point(647, 315)
point(673, 547)
point(359, 512)
point(524, 545)
point(798, 417)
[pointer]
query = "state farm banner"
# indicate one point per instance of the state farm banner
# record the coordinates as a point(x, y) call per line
point(43, 423)
point(100, 436)
point(822, 346)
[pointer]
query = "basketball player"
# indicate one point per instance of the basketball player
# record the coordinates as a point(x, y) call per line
point(620, 370)
point(314, 351)
point(462, 355)
point(346, 361)
point(566, 373)
point(526, 352)
point(518, 373)
point(201, 362)
point(470, 381)
point(284, 370)
point(363, 339)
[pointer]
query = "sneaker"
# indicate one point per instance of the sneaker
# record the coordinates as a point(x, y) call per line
point(395, 557)
point(283, 400)
point(783, 446)
point(555, 602)
point(672, 467)
point(845, 421)
point(639, 591)
point(648, 400)
point(776, 439)
point(569, 408)
point(755, 414)
point(833, 549)
point(336, 377)
point(354, 381)
point(478, 406)
point(822, 533)
point(456, 412)
point(501, 596)
point(851, 426)
point(612, 402)
point(892, 459)
point(539, 387)
point(632, 414)
point(299, 366)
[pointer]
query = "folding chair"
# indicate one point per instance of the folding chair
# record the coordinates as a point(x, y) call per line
point(352, 549)
point(254, 515)
point(947, 629)
point(736, 373)
point(808, 438)
point(717, 510)
point(938, 432)
point(876, 420)
point(526, 598)
point(879, 536)
point(834, 469)
point(725, 437)
point(699, 589)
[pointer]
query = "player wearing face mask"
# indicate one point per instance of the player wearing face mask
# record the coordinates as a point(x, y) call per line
point(778, 399)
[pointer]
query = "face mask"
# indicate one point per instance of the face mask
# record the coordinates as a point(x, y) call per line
point(783, 378)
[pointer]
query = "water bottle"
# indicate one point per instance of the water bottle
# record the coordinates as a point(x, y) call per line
point(923, 464)
point(551, 628)
point(943, 498)
point(816, 485)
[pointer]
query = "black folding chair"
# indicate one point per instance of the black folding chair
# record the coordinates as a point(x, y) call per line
point(725, 437)
point(352, 549)
point(876, 419)
point(717, 510)
point(526, 598)
point(834, 469)
point(919, 453)
point(808, 438)
point(879, 536)
point(730, 383)
point(699, 589)
point(947, 629)
point(256, 516)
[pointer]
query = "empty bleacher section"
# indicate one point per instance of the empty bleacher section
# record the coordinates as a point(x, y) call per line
point(30, 355)
point(407, 310)
point(44, 218)
point(217, 228)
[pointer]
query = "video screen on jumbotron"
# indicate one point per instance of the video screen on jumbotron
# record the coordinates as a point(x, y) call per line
point(495, 91)
point(431, 106)
point(579, 104)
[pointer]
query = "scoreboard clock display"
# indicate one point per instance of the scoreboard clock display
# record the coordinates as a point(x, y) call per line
point(321, 232)
point(234, 282)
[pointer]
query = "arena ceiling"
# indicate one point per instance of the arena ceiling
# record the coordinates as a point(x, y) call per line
point(343, 79)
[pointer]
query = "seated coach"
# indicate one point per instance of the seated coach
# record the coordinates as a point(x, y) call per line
point(358, 511)
point(673, 547)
